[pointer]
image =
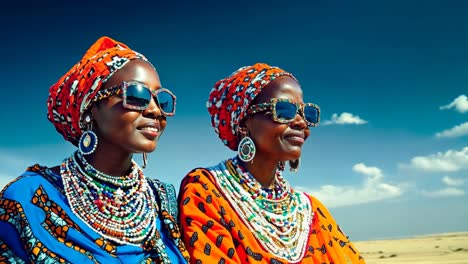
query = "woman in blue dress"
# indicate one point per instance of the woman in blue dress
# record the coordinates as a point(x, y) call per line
point(97, 206)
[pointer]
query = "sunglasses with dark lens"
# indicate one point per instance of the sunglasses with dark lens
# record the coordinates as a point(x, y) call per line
point(284, 111)
point(137, 96)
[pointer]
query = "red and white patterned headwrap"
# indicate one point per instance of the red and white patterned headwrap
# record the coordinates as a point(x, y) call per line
point(73, 93)
point(230, 98)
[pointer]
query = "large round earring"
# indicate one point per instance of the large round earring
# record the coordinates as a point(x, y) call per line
point(88, 140)
point(246, 149)
point(294, 165)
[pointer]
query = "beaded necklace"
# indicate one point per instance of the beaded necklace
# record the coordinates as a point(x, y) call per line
point(279, 218)
point(121, 209)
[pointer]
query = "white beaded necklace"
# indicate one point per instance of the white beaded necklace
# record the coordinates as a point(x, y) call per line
point(121, 181)
point(280, 221)
point(122, 210)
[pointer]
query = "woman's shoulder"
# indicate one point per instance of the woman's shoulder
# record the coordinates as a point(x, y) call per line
point(165, 194)
point(198, 180)
point(318, 207)
point(198, 174)
point(315, 201)
point(34, 177)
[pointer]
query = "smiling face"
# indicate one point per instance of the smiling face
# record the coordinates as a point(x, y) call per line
point(273, 140)
point(122, 129)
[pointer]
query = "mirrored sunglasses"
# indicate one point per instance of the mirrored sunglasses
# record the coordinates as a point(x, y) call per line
point(284, 111)
point(137, 96)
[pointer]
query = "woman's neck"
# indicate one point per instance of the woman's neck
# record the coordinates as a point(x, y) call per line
point(263, 170)
point(115, 163)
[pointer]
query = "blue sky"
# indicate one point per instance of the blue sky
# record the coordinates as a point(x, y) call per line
point(390, 158)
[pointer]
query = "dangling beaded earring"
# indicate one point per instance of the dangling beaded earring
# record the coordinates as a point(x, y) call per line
point(145, 160)
point(294, 165)
point(88, 140)
point(246, 149)
point(280, 166)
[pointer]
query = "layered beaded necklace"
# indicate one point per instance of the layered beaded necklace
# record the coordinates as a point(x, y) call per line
point(121, 209)
point(280, 218)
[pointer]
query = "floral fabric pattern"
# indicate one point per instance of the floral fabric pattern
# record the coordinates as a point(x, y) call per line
point(38, 226)
point(214, 233)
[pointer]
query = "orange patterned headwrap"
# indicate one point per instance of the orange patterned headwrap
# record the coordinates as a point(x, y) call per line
point(230, 98)
point(72, 95)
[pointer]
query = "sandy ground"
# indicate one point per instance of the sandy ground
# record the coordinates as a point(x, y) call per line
point(442, 248)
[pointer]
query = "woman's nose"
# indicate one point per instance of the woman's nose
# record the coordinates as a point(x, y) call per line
point(153, 109)
point(299, 121)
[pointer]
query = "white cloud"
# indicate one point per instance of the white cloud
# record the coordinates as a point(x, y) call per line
point(372, 189)
point(460, 104)
point(452, 181)
point(451, 160)
point(374, 173)
point(456, 131)
point(447, 192)
point(344, 119)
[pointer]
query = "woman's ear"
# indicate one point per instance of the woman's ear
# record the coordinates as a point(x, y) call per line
point(94, 110)
point(243, 131)
point(92, 114)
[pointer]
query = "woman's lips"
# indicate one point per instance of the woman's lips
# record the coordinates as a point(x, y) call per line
point(149, 132)
point(295, 138)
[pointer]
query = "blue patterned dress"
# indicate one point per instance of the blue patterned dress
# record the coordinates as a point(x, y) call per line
point(37, 225)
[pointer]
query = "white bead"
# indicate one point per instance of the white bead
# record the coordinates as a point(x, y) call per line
point(79, 187)
point(285, 236)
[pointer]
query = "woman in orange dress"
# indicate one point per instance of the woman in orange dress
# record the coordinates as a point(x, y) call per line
point(242, 210)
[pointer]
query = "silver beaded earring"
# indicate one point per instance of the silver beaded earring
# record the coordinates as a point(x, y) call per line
point(294, 165)
point(246, 149)
point(88, 140)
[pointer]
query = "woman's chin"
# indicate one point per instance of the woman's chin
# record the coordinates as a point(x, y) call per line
point(148, 148)
point(294, 154)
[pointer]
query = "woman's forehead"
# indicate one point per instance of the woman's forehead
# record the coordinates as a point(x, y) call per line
point(136, 70)
point(283, 87)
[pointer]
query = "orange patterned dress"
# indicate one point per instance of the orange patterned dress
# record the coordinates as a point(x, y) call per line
point(215, 233)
